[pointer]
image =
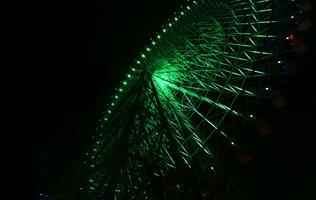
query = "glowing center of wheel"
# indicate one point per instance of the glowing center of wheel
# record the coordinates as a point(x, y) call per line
point(167, 78)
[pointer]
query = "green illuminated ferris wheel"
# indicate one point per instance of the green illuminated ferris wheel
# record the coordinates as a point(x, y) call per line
point(194, 84)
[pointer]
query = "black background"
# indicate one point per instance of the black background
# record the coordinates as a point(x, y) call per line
point(85, 47)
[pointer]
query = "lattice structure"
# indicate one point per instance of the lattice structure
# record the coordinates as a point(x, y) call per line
point(193, 85)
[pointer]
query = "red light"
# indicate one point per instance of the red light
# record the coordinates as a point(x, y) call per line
point(292, 37)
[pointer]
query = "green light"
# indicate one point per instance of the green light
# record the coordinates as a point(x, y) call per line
point(158, 36)
point(116, 97)
point(138, 62)
point(124, 83)
point(121, 90)
point(129, 76)
point(143, 56)
point(153, 42)
point(164, 77)
point(147, 49)
point(182, 13)
point(112, 104)
point(176, 18)
point(133, 69)
point(170, 24)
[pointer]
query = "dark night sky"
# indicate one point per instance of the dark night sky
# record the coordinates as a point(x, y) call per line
point(86, 46)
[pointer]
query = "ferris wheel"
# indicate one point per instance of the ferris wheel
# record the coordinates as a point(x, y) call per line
point(194, 85)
